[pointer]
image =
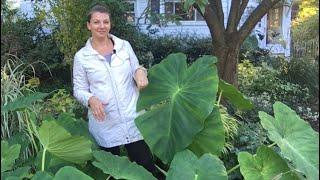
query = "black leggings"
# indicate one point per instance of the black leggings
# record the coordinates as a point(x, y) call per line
point(140, 153)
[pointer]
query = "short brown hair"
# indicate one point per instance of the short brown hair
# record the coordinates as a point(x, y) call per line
point(101, 8)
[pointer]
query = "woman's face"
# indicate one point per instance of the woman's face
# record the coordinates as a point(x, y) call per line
point(99, 25)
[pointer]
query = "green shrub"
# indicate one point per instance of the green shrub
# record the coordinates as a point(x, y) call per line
point(26, 39)
point(280, 80)
point(192, 46)
point(61, 102)
point(250, 51)
point(303, 72)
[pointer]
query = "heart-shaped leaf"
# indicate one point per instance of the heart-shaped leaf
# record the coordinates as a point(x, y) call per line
point(234, 96)
point(211, 138)
point(267, 164)
point(8, 155)
point(59, 142)
point(185, 165)
point(120, 167)
point(295, 137)
point(179, 99)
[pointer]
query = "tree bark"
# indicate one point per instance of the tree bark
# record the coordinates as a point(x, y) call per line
point(227, 62)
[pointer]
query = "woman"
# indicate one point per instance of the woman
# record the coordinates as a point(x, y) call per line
point(107, 78)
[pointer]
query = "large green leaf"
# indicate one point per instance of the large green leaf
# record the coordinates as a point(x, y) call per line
point(59, 142)
point(77, 127)
point(267, 164)
point(21, 172)
point(211, 139)
point(178, 100)
point(187, 166)
point(234, 96)
point(65, 173)
point(23, 102)
point(120, 167)
point(297, 140)
point(8, 155)
point(71, 173)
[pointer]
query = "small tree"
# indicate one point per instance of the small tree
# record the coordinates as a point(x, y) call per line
point(227, 40)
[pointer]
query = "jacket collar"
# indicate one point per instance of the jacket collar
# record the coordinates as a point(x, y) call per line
point(89, 51)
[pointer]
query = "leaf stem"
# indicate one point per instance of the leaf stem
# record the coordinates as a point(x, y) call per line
point(161, 170)
point(219, 99)
point(234, 168)
point(43, 158)
point(271, 145)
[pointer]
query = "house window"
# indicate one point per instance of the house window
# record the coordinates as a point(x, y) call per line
point(130, 15)
point(274, 25)
point(176, 8)
point(155, 6)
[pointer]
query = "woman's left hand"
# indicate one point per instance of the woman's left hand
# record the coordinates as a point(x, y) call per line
point(141, 78)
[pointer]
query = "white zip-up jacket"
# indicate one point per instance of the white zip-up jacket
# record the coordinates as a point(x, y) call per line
point(114, 85)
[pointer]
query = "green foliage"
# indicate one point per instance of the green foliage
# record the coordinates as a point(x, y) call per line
point(266, 164)
point(297, 140)
point(70, 17)
point(42, 175)
point(60, 102)
point(301, 71)
point(209, 140)
point(184, 98)
point(29, 40)
point(60, 143)
point(23, 102)
point(234, 96)
point(19, 173)
point(264, 80)
point(230, 126)
point(71, 20)
point(8, 155)
point(250, 51)
point(120, 167)
point(306, 25)
point(293, 82)
point(249, 137)
point(192, 46)
point(201, 3)
point(14, 88)
point(186, 165)
point(71, 173)
point(67, 172)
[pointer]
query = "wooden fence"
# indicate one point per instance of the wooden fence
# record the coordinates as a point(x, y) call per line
point(308, 49)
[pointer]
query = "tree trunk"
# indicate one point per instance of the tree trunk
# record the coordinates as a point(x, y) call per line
point(227, 61)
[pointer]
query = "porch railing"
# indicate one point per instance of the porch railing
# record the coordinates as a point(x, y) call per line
point(307, 49)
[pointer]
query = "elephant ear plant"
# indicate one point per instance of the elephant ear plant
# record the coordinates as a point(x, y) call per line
point(178, 101)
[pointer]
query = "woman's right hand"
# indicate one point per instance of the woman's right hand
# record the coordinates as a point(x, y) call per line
point(97, 108)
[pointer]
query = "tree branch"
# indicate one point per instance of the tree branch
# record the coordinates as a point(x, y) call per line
point(216, 5)
point(255, 17)
point(216, 28)
point(243, 6)
point(234, 13)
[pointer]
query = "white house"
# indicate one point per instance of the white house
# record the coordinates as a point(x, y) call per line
point(272, 32)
